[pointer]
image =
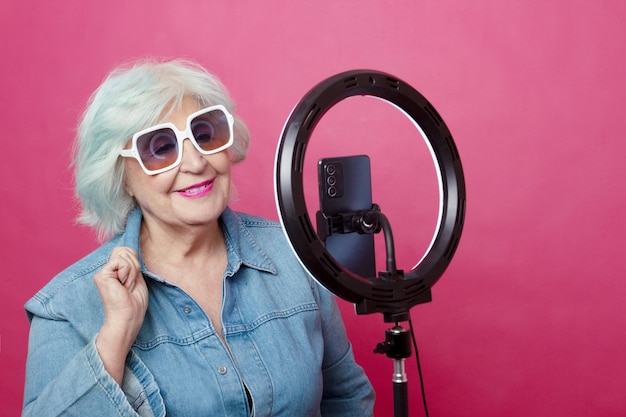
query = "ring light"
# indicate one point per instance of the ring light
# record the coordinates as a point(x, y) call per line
point(387, 296)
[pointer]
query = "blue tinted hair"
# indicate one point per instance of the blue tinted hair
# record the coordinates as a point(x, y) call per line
point(130, 99)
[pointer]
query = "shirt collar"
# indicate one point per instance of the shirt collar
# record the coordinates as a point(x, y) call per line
point(241, 245)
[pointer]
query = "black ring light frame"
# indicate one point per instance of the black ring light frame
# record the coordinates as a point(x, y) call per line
point(390, 296)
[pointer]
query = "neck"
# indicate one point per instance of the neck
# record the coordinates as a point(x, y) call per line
point(194, 260)
point(166, 250)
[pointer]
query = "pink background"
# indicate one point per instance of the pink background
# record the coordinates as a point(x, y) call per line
point(529, 318)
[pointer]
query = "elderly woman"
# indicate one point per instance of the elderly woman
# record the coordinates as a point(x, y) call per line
point(189, 309)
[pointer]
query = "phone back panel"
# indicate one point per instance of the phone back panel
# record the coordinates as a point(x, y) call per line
point(345, 187)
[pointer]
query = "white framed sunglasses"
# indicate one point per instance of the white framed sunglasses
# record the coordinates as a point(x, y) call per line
point(160, 148)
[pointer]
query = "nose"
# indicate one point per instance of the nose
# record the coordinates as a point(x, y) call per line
point(192, 160)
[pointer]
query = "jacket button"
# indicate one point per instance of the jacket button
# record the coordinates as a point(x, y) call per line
point(222, 370)
point(186, 309)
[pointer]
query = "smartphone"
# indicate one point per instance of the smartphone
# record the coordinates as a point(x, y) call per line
point(345, 186)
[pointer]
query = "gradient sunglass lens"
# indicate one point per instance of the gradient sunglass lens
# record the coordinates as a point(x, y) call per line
point(211, 130)
point(158, 149)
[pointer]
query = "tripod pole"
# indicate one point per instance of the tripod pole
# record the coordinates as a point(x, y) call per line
point(397, 346)
point(400, 389)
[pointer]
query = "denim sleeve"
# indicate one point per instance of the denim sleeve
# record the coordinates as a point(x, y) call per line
point(65, 376)
point(347, 390)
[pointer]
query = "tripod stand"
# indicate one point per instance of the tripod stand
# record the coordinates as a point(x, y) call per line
point(397, 344)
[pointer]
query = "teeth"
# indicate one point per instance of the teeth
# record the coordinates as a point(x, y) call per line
point(195, 190)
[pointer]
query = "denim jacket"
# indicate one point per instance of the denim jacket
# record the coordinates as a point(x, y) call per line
point(286, 351)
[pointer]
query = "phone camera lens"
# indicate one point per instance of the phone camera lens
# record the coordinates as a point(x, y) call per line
point(331, 181)
point(332, 191)
point(330, 169)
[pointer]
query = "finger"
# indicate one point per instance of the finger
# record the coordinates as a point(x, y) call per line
point(130, 255)
point(121, 267)
point(128, 271)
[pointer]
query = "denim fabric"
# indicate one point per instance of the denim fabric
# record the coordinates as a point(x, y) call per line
point(286, 344)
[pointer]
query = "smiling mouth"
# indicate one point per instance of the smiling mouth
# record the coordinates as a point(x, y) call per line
point(197, 189)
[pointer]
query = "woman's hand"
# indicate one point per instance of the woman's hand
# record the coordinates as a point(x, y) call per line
point(125, 297)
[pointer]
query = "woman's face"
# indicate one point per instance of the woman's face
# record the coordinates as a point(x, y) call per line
point(193, 194)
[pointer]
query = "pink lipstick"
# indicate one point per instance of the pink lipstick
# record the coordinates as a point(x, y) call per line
point(196, 190)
